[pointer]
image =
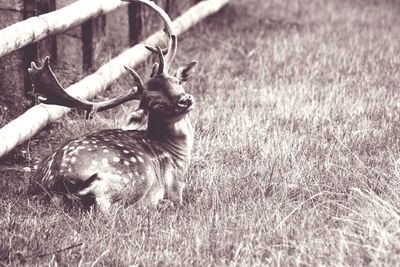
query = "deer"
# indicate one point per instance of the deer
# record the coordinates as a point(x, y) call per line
point(130, 166)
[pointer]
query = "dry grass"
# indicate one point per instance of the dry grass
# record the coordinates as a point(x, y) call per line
point(296, 158)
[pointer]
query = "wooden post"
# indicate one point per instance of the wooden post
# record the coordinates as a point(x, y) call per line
point(87, 45)
point(42, 48)
point(47, 46)
point(14, 80)
point(135, 23)
point(12, 75)
point(92, 33)
point(30, 51)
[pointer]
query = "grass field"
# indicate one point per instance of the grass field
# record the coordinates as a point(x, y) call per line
point(296, 159)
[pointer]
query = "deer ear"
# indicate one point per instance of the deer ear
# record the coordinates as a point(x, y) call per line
point(185, 73)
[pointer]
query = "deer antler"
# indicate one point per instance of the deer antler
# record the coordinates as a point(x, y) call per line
point(45, 83)
point(172, 46)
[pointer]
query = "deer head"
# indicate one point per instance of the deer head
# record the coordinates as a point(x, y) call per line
point(156, 156)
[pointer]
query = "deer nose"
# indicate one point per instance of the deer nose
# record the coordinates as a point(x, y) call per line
point(185, 101)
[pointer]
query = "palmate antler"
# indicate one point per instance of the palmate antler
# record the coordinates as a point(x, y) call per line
point(45, 83)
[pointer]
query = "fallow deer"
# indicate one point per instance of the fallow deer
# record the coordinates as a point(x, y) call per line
point(117, 165)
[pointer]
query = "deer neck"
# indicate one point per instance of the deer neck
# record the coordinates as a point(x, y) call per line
point(175, 138)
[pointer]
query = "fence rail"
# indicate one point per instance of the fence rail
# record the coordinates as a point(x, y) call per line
point(37, 28)
point(37, 117)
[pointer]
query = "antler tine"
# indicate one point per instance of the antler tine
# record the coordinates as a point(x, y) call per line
point(154, 50)
point(169, 57)
point(138, 81)
point(162, 66)
point(169, 30)
point(45, 83)
point(158, 51)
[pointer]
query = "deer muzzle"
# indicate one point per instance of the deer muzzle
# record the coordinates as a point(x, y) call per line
point(185, 101)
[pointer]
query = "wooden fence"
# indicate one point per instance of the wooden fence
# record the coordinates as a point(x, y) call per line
point(83, 12)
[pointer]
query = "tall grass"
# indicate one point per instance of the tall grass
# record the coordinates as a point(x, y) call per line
point(296, 158)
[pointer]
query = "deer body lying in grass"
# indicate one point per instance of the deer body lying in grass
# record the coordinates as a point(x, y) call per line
point(116, 165)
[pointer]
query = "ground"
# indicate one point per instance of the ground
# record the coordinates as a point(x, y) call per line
point(296, 158)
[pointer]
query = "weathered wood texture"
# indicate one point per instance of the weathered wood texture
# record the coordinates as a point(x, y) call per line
point(26, 25)
point(36, 118)
point(12, 80)
point(91, 44)
point(37, 28)
point(48, 46)
point(93, 33)
point(41, 48)
point(135, 23)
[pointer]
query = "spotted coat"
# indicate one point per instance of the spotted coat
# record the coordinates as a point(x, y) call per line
point(117, 166)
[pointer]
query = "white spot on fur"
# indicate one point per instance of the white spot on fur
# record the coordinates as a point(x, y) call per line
point(133, 159)
point(115, 159)
point(73, 159)
point(120, 145)
point(106, 150)
point(126, 163)
point(125, 151)
point(140, 159)
point(85, 142)
point(94, 162)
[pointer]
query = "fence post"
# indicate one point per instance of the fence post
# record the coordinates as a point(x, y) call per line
point(47, 46)
point(135, 23)
point(12, 74)
point(14, 80)
point(92, 32)
point(69, 50)
point(30, 51)
point(42, 48)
